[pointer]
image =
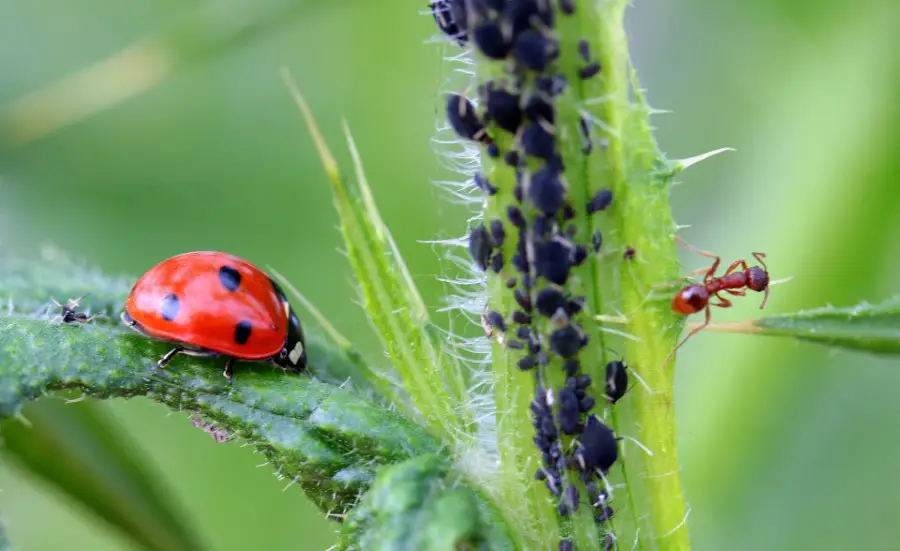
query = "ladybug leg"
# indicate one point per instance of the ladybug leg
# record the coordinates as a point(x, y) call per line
point(168, 357)
point(229, 373)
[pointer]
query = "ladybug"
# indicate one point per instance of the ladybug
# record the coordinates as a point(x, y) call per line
point(210, 304)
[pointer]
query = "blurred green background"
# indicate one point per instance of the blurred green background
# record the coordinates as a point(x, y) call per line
point(784, 445)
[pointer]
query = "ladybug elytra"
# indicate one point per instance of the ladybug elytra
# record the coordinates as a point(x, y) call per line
point(210, 304)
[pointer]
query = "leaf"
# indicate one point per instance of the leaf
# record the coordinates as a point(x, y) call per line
point(870, 328)
point(422, 504)
point(75, 450)
point(326, 438)
point(389, 295)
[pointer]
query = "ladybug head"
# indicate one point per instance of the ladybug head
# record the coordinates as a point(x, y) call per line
point(293, 355)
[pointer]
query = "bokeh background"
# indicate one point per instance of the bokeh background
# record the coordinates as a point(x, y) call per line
point(784, 445)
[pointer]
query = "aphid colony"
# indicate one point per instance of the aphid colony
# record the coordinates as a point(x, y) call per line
point(519, 111)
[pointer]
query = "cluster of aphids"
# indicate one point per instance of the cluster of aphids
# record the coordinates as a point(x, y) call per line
point(522, 104)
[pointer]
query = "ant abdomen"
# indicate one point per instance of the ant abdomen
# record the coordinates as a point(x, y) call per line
point(691, 299)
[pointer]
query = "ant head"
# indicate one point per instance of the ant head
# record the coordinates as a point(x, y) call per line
point(757, 279)
point(691, 299)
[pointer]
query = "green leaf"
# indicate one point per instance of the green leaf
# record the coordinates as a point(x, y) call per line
point(870, 328)
point(325, 437)
point(78, 452)
point(422, 504)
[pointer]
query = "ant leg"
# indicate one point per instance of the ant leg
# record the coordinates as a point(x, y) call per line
point(229, 372)
point(689, 335)
point(733, 267)
point(740, 293)
point(723, 302)
point(168, 357)
point(712, 269)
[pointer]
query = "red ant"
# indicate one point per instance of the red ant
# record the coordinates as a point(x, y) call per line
point(698, 296)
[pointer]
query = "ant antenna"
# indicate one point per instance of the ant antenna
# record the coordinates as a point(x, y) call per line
point(760, 258)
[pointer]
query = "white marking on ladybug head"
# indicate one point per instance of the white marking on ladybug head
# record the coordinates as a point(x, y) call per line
point(296, 353)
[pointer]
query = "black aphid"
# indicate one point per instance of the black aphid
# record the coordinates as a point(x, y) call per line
point(568, 209)
point(589, 70)
point(515, 216)
point(596, 241)
point(567, 6)
point(548, 429)
point(569, 412)
point(523, 299)
point(523, 14)
point(523, 333)
point(549, 301)
point(616, 381)
point(496, 320)
point(511, 283)
point(540, 474)
point(526, 363)
point(538, 141)
point(571, 368)
point(584, 50)
point(511, 158)
point(503, 108)
point(547, 191)
point(575, 305)
point(497, 262)
point(551, 85)
point(445, 22)
point(552, 261)
point(566, 545)
point(463, 118)
point(600, 201)
point(540, 108)
point(565, 341)
point(521, 317)
point(542, 357)
point(571, 231)
point(489, 38)
point(579, 256)
point(492, 149)
point(482, 183)
point(599, 448)
point(604, 514)
point(513, 344)
point(517, 191)
point(562, 509)
point(533, 50)
point(587, 143)
point(587, 403)
point(480, 246)
point(572, 496)
point(498, 232)
point(459, 13)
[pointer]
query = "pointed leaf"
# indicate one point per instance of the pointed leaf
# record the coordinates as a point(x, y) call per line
point(870, 328)
point(74, 449)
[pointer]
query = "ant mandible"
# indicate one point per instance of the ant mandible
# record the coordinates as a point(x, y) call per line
point(698, 296)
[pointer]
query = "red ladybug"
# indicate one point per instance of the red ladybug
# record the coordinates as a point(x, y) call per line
point(210, 304)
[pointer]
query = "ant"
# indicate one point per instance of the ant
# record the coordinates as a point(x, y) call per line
point(698, 296)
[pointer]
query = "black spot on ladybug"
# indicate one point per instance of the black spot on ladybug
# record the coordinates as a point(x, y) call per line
point(230, 278)
point(600, 201)
point(170, 307)
point(242, 332)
